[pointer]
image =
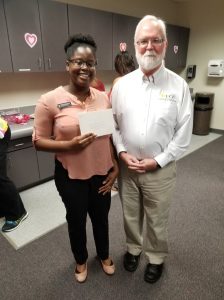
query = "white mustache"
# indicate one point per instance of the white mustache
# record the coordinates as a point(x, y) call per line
point(149, 53)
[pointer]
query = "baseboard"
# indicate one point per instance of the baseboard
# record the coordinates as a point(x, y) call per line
point(219, 131)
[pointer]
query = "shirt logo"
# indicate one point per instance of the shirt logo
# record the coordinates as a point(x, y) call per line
point(165, 96)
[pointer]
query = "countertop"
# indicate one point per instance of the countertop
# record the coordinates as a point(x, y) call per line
point(21, 130)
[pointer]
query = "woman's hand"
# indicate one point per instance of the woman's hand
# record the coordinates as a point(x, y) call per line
point(113, 173)
point(77, 143)
point(109, 181)
point(82, 141)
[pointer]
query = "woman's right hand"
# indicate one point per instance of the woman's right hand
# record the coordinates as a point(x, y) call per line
point(76, 144)
point(81, 141)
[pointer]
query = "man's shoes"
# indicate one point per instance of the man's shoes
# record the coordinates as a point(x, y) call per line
point(81, 276)
point(153, 272)
point(131, 262)
point(12, 225)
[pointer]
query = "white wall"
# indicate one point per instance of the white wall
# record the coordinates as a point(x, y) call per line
point(206, 20)
point(24, 89)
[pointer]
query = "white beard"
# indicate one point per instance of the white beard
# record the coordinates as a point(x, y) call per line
point(149, 60)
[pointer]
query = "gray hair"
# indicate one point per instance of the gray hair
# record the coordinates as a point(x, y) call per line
point(159, 21)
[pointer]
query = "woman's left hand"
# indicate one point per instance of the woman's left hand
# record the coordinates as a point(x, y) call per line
point(109, 181)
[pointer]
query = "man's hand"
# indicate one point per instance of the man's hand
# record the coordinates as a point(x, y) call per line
point(140, 166)
point(144, 165)
point(128, 158)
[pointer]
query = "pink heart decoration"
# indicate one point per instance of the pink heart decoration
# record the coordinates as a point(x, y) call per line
point(31, 39)
point(123, 47)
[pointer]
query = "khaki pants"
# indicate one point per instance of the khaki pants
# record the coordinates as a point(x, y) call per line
point(147, 195)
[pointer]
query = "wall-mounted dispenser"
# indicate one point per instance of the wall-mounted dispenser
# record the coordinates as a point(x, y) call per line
point(216, 68)
point(191, 71)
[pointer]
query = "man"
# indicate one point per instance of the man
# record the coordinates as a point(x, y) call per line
point(153, 114)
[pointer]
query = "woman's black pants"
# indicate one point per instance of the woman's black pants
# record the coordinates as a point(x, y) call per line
point(80, 198)
point(11, 205)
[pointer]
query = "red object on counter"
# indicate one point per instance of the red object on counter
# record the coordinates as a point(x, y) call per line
point(17, 119)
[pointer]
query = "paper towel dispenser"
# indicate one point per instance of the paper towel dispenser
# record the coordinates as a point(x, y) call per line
point(216, 68)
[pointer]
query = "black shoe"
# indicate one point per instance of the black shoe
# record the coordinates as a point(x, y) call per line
point(153, 272)
point(11, 225)
point(131, 262)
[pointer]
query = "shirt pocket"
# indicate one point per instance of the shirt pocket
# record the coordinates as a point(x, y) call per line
point(165, 113)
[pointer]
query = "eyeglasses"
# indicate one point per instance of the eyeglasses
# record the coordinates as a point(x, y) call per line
point(153, 41)
point(80, 63)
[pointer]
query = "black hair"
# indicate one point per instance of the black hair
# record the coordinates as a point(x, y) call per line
point(124, 63)
point(79, 40)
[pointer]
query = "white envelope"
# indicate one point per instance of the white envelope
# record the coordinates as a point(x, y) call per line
point(100, 122)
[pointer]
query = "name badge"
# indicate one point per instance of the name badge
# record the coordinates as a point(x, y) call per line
point(64, 105)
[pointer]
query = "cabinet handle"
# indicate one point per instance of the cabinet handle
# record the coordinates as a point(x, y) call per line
point(18, 145)
point(24, 70)
point(49, 64)
point(39, 63)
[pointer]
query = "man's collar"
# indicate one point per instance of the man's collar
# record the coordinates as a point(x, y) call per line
point(154, 77)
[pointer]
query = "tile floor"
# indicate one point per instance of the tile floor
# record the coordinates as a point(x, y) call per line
point(46, 211)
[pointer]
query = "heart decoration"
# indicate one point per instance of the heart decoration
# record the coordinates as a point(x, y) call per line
point(175, 49)
point(31, 39)
point(123, 47)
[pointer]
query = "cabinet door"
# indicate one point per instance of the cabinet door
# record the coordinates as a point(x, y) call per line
point(123, 32)
point(22, 167)
point(171, 59)
point(176, 54)
point(46, 164)
point(22, 17)
point(99, 25)
point(184, 40)
point(54, 28)
point(5, 57)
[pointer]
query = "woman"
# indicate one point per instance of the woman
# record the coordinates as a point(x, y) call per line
point(11, 205)
point(124, 64)
point(85, 165)
point(98, 84)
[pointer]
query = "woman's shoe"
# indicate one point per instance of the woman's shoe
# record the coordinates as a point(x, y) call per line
point(81, 276)
point(108, 269)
